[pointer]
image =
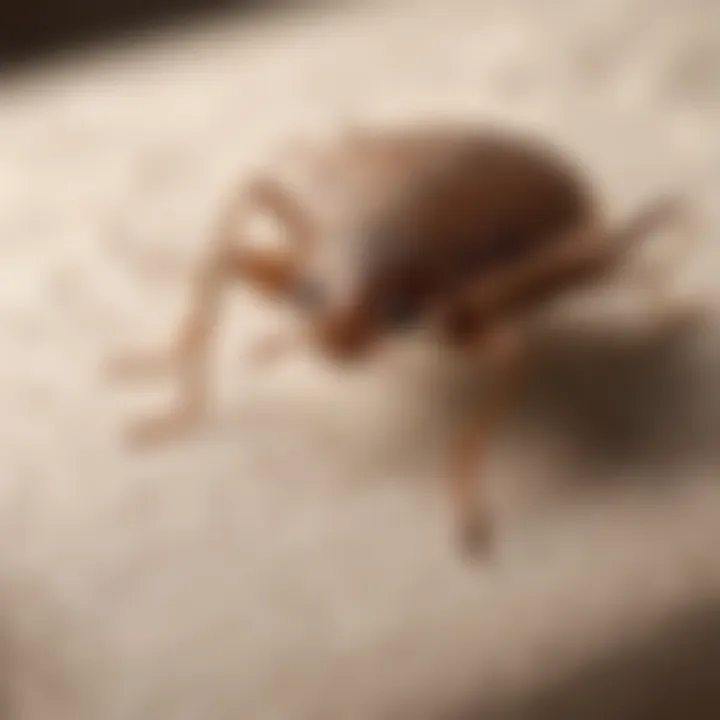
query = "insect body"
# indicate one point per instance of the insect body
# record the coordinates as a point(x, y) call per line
point(462, 231)
point(490, 203)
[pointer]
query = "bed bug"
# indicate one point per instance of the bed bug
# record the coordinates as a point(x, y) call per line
point(462, 231)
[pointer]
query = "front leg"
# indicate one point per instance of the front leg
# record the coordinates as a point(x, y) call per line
point(271, 272)
point(189, 354)
point(501, 346)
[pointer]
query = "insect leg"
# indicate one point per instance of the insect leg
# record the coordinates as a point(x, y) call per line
point(503, 349)
point(652, 281)
point(271, 272)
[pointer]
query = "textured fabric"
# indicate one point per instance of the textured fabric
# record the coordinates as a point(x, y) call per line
point(293, 559)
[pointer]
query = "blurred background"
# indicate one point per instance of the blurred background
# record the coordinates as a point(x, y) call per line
point(31, 31)
point(294, 559)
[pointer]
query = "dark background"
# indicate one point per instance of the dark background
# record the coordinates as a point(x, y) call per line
point(33, 29)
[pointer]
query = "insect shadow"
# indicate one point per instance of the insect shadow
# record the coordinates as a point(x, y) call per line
point(625, 401)
point(641, 401)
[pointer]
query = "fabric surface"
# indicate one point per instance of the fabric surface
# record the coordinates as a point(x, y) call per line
point(294, 558)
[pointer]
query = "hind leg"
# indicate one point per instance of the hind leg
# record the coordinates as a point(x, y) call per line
point(654, 280)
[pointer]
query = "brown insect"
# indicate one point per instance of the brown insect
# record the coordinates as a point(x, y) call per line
point(462, 231)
